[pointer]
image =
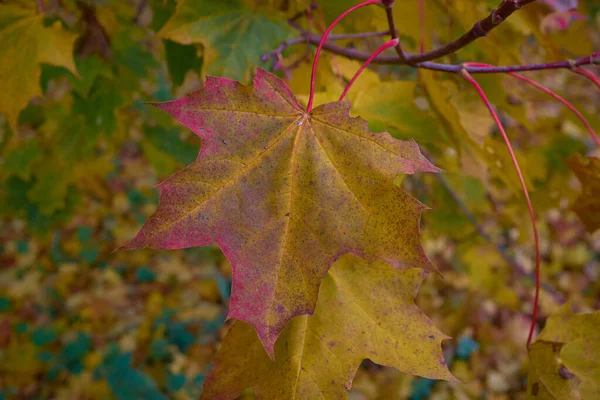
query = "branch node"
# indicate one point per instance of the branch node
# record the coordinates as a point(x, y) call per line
point(572, 64)
point(496, 18)
point(516, 4)
point(478, 30)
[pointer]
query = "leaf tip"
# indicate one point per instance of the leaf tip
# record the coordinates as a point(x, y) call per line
point(268, 343)
point(172, 107)
point(134, 244)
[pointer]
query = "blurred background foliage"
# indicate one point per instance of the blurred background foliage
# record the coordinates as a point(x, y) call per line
point(80, 154)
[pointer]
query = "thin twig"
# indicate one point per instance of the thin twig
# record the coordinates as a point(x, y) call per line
point(358, 35)
point(279, 50)
point(393, 32)
point(299, 60)
point(303, 13)
point(594, 58)
point(480, 29)
point(287, 43)
point(354, 54)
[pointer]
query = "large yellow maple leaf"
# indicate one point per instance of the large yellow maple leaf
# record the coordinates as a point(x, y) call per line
point(365, 310)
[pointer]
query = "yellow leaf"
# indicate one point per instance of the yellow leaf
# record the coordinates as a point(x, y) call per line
point(565, 358)
point(364, 310)
point(25, 43)
point(587, 205)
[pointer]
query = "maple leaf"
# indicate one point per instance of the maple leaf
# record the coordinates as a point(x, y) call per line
point(21, 160)
point(365, 310)
point(25, 43)
point(230, 52)
point(565, 357)
point(587, 205)
point(284, 194)
point(385, 104)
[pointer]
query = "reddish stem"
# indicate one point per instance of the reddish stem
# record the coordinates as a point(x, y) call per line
point(391, 43)
point(481, 93)
point(551, 93)
point(587, 74)
point(323, 39)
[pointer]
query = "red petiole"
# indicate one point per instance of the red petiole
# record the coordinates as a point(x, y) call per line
point(391, 43)
point(551, 93)
point(481, 93)
point(323, 39)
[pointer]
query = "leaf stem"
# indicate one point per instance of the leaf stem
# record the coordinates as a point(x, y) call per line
point(587, 74)
point(483, 96)
point(322, 41)
point(381, 49)
point(551, 93)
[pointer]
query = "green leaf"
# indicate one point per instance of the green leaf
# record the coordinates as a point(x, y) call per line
point(99, 108)
point(50, 190)
point(21, 161)
point(234, 37)
point(181, 59)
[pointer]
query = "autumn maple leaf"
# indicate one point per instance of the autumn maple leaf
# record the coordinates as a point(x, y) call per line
point(587, 205)
point(365, 310)
point(284, 193)
point(564, 357)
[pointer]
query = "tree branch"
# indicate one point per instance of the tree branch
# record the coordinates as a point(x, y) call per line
point(594, 58)
point(354, 54)
point(480, 29)
point(285, 44)
point(393, 32)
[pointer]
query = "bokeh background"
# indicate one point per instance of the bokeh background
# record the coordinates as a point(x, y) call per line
point(77, 176)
